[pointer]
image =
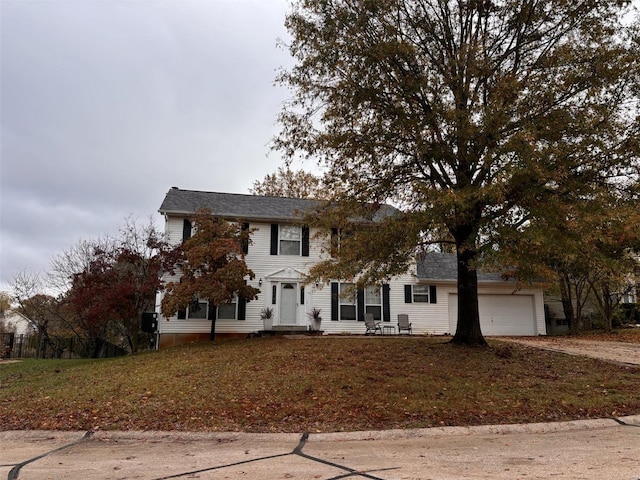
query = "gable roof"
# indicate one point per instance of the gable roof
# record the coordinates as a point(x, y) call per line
point(443, 266)
point(238, 206)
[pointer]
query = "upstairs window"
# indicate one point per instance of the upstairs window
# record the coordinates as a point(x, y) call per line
point(289, 240)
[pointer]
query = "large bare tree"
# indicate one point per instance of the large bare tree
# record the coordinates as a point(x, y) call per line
point(474, 116)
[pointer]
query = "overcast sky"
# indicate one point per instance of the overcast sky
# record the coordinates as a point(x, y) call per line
point(105, 105)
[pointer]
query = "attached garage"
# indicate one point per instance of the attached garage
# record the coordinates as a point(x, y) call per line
point(500, 314)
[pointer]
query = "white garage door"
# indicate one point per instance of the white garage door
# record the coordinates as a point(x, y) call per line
point(500, 314)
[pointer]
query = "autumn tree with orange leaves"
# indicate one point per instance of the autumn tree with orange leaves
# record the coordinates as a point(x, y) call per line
point(474, 117)
point(211, 266)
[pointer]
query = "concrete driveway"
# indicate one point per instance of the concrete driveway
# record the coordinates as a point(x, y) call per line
point(618, 352)
point(592, 449)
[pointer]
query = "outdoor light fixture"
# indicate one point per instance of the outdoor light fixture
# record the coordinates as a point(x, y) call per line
point(317, 283)
point(260, 282)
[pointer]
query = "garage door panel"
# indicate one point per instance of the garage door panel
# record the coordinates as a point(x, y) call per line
point(500, 314)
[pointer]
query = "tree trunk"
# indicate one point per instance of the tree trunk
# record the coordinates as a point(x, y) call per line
point(212, 333)
point(567, 302)
point(468, 330)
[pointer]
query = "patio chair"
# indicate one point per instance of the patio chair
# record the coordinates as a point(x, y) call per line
point(371, 325)
point(403, 323)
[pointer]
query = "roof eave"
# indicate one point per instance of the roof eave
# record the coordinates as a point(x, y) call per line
point(181, 213)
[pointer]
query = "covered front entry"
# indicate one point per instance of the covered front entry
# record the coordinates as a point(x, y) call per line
point(288, 303)
point(287, 297)
point(500, 314)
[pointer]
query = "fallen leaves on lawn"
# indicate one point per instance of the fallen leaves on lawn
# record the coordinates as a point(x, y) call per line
point(316, 384)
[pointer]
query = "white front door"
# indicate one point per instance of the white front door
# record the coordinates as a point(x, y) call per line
point(288, 303)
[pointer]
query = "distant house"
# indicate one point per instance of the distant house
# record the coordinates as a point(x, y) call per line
point(17, 323)
point(281, 253)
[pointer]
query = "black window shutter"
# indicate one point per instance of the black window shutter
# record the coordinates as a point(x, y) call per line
point(274, 239)
point(186, 229)
point(242, 308)
point(301, 295)
point(305, 241)
point(407, 294)
point(334, 241)
point(182, 314)
point(245, 240)
point(360, 305)
point(386, 308)
point(212, 311)
point(334, 301)
point(432, 294)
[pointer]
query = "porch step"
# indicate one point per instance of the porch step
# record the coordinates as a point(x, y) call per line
point(289, 328)
point(281, 330)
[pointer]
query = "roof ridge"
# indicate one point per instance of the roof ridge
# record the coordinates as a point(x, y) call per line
point(245, 194)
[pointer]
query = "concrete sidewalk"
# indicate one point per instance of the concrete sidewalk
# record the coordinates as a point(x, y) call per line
point(590, 449)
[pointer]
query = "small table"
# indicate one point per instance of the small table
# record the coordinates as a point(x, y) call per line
point(388, 329)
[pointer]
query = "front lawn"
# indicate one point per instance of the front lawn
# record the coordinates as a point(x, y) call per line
point(315, 385)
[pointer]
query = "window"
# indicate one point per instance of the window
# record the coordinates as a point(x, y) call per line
point(290, 240)
point(338, 236)
point(228, 311)
point(201, 310)
point(420, 294)
point(198, 310)
point(373, 302)
point(347, 302)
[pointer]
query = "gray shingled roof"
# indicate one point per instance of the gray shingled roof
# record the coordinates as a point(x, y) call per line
point(235, 206)
point(443, 266)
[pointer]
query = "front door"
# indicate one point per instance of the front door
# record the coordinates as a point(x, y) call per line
point(288, 303)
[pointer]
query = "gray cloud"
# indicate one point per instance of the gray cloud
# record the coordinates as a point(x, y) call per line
point(106, 105)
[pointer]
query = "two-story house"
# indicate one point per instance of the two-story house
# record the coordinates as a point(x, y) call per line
point(281, 253)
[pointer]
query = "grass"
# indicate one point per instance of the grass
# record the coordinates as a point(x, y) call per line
point(314, 385)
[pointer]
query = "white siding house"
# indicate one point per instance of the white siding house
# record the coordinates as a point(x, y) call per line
point(17, 323)
point(281, 253)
